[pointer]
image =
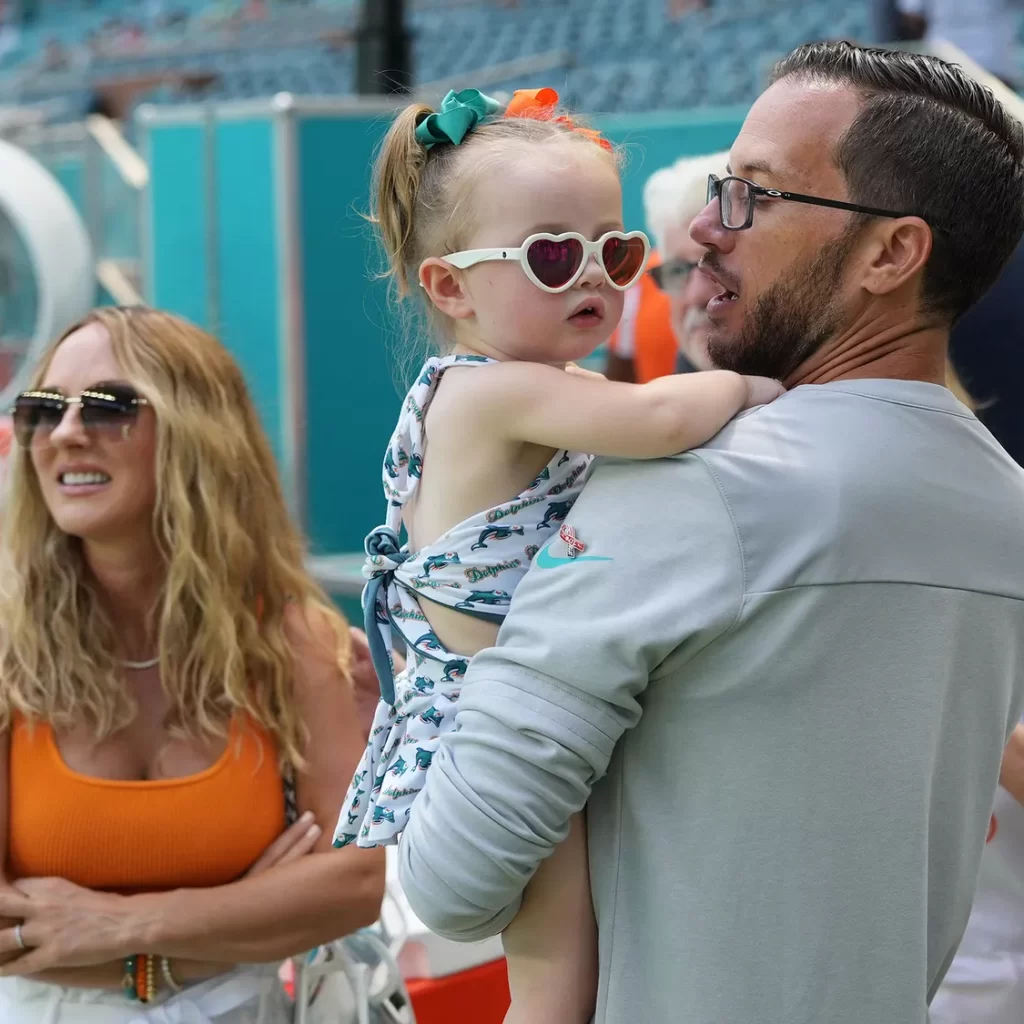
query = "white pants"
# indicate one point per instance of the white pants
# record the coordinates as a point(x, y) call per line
point(245, 996)
point(976, 990)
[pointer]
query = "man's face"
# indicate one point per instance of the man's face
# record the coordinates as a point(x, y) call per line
point(780, 289)
point(689, 299)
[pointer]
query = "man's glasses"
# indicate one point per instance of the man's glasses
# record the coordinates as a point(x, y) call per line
point(738, 196)
point(672, 275)
point(108, 408)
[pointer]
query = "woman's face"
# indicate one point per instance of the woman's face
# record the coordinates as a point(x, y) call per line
point(98, 482)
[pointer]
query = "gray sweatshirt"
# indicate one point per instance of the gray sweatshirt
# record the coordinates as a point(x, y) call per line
point(780, 675)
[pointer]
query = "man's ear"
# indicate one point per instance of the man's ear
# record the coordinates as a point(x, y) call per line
point(443, 284)
point(897, 253)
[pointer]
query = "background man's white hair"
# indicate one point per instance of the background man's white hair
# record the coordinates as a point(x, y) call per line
point(676, 194)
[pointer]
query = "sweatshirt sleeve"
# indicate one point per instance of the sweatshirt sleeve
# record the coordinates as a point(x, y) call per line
point(660, 578)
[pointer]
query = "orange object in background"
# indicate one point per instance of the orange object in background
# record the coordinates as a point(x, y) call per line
point(645, 331)
point(6, 436)
point(477, 996)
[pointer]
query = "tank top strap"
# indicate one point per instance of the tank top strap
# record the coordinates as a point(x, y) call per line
point(403, 461)
point(385, 552)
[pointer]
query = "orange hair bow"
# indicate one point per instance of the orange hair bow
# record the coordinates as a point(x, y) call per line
point(541, 105)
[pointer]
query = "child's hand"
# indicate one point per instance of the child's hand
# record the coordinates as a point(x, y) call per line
point(762, 390)
point(580, 372)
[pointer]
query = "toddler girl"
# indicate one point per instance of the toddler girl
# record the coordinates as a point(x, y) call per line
point(510, 225)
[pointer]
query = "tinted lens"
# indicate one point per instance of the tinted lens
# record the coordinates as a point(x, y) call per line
point(623, 258)
point(658, 276)
point(555, 263)
point(34, 412)
point(104, 407)
point(735, 203)
point(109, 406)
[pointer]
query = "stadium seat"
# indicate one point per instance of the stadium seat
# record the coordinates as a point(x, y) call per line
point(626, 55)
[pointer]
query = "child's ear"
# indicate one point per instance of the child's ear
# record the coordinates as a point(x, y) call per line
point(443, 284)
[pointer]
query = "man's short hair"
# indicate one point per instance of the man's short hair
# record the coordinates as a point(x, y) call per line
point(931, 140)
point(676, 194)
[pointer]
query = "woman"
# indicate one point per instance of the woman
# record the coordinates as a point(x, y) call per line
point(165, 665)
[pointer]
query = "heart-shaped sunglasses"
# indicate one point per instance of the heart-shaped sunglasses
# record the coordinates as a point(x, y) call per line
point(554, 263)
point(111, 408)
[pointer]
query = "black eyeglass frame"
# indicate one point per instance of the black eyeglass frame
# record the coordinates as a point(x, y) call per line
point(715, 192)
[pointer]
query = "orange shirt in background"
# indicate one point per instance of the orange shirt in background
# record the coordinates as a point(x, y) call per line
point(645, 331)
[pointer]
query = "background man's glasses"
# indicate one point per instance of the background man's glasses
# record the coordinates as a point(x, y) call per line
point(672, 275)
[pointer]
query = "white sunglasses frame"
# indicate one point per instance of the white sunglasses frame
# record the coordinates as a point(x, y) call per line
point(471, 257)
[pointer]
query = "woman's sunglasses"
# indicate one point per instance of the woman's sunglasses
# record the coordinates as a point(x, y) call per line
point(672, 275)
point(110, 408)
point(554, 263)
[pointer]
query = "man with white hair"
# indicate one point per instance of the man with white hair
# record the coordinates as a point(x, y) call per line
point(664, 321)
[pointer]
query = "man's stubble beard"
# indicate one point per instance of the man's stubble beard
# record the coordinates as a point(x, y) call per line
point(789, 322)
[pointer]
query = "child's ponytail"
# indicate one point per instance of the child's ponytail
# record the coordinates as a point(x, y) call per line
point(397, 180)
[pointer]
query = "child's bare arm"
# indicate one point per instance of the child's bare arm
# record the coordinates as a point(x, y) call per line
point(583, 412)
point(551, 946)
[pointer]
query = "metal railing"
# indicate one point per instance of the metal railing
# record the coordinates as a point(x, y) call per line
point(107, 179)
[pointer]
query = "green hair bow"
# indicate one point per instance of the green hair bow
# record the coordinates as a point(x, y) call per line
point(460, 113)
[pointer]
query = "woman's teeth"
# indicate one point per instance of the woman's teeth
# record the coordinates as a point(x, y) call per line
point(82, 479)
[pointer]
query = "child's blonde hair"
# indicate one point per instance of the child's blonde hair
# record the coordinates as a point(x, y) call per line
point(421, 196)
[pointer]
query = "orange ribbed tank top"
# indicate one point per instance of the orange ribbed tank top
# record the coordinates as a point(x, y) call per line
point(199, 830)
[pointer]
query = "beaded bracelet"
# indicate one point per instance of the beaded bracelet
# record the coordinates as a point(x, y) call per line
point(165, 970)
point(146, 976)
point(139, 978)
point(128, 978)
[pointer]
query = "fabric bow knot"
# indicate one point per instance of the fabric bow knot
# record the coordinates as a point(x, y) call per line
point(384, 555)
point(460, 113)
point(541, 105)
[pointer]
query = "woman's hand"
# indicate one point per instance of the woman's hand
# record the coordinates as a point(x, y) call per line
point(365, 684)
point(1011, 776)
point(294, 842)
point(64, 925)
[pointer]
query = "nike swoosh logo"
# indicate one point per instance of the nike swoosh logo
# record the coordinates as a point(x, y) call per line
point(545, 560)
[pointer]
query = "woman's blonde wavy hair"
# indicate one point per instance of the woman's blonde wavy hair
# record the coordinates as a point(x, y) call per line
point(234, 560)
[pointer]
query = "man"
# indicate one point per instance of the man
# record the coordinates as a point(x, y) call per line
point(663, 321)
point(782, 667)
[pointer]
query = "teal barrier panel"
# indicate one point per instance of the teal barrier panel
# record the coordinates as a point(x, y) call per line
point(70, 173)
point(177, 267)
point(350, 332)
point(653, 141)
point(119, 212)
point(248, 271)
point(261, 238)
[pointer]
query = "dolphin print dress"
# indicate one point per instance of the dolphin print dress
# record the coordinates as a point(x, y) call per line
point(473, 567)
